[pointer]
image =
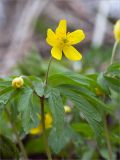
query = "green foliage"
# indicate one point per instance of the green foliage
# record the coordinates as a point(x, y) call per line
point(8, 149)
point(25, 104)
point(58, 141)
point(82, 127)
point(57, 110)
point(77, 89)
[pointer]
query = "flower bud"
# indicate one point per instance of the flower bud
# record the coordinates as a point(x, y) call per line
point(99, 92)
point(117, 31)
point(17, 82)
point(67, 109)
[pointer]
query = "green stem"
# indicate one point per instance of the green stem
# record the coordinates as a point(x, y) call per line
point(43, 126)
point(113, 51)
point(46, 77)
point(107, 138)
point(43, 115)
point(105, 121)
point(17, 136)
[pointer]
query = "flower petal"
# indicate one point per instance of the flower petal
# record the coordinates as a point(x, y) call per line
point(36, 130)
point(56, 53)
point(62, 28)
point(51, 38)
point(75, 37)
point(71, 53)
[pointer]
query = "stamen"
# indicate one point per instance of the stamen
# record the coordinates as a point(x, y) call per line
point(65, 40)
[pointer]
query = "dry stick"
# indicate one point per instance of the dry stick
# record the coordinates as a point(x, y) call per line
point(17, 136)
point(43, 116)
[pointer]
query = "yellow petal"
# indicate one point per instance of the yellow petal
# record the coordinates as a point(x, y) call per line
point(75, 37)
point(62, 28)
point(117, 31)
point(48, 120)
point(37, 130)
point(71, 53)
point(56, 53)
point(51, 38)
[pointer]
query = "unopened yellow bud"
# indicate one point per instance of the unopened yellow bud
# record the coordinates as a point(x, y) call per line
point(99, 92)
point(17, 82)
point(117, 31)
point(67, 109)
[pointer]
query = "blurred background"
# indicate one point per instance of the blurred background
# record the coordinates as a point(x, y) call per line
point(23, 26)
point(24, 51)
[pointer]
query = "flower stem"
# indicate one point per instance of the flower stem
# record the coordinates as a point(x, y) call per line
point(46, 77)
point(105, 121)
point(107, 138)
point(43, 115)
point(113, 51)
point(17, 136)
point(43, 126)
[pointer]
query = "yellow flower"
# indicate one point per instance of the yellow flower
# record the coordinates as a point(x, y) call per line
point(117, 31)
point(18, 82)
point(67, 109)
point(61, 41)
point(48, 124)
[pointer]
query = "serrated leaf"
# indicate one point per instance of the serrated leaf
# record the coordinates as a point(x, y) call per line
point(5, 95)
point(57, 141)
point(113, 83)
point(38, 86)
point(25, 108)
point(114, 69)
point(102, 82)
point(56, 107)
point(5, 83)
point(70, 78)
point(90, 113)
point(24, 98)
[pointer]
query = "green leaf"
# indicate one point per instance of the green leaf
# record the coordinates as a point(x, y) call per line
point(27, 109)
point(38, 86)
point(88, 154)
point(70, 78)
point(5, 95)
point(114, 69)
point(8, 149)
point(83, 128)
point(89, 96)
point(56, 107)
point(4, 82)
point(102, 82)
point(57, 141)
point(90, 113)
point(113, 83)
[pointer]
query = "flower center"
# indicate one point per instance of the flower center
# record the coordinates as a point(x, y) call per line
point(65, 40)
